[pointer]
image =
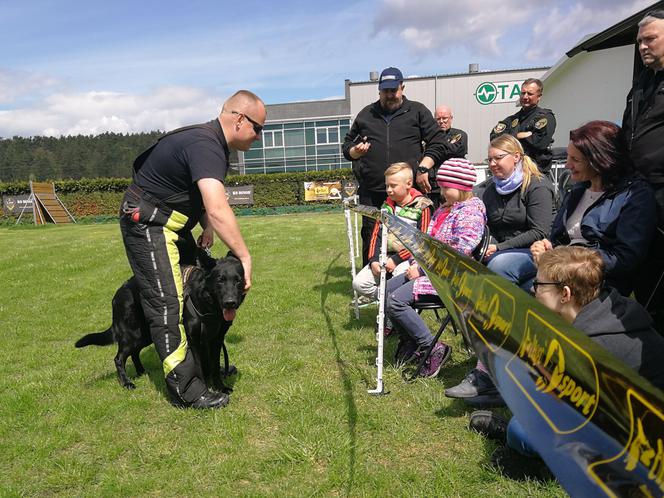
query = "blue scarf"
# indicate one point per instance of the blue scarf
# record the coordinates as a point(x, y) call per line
point(511, 183)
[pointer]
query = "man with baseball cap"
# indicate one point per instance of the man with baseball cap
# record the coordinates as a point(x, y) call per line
point(392, 129)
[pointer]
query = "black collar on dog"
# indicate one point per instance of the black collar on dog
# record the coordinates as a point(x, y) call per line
point(189, 303)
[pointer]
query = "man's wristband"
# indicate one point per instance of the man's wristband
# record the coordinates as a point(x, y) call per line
point(423, 169)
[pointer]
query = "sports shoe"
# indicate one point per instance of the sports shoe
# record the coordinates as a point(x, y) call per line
point(406, 351)
point(206, 400)
point(489, 425)
point(363, 301)
point(475, 384)
point(439, 355)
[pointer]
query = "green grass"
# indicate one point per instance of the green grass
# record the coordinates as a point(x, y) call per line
point(300, 422)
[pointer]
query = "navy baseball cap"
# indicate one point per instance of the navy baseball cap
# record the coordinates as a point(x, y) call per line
point(390, 79)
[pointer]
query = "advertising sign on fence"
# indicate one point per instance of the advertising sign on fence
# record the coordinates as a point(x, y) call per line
point(14, 204)
point(244, 195)
point(322, 191)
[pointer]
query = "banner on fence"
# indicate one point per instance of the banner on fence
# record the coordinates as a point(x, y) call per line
point(243, 194)
point(322, 191)
point(14, 204)
point(598, 424)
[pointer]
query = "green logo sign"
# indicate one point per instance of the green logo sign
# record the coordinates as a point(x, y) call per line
point(497, 93)
point(486, 93)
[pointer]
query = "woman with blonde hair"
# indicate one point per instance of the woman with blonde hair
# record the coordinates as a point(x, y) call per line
point(519, 204)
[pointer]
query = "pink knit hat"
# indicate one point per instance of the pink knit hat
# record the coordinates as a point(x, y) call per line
point(457, 173)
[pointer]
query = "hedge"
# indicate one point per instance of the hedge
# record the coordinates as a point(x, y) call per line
point(101, 196)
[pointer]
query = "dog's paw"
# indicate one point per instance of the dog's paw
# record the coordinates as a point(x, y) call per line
point(129, 385)
point(231, 371)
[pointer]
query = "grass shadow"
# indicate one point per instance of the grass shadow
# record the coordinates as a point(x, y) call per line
point(351, 407)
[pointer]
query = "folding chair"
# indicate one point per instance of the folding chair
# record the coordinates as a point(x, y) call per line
point(478, 255)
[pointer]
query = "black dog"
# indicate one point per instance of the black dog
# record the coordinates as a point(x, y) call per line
point(212, 293)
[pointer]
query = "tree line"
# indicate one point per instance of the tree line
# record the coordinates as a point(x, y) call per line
point(81, 156)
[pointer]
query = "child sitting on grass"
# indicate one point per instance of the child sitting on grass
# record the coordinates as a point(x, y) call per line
point(410, 206)
point(459, 222)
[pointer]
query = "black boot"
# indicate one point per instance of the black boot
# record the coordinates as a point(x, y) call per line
point(206, 400)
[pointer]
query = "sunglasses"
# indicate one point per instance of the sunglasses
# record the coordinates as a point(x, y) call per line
point(537, 283)
point(659, 14)
point(258, 128)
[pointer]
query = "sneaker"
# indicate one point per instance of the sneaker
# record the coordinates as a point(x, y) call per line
point(439, 355)
point(406, 351)
point(489, 425)
point(363, 301)
point(475, 384)
point(484, 401)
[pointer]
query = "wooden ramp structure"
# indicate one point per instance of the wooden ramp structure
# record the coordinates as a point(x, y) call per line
point(46, 205)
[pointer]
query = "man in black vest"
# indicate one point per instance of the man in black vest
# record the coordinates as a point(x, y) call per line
point(457, 141)
point(533, 126)
point(178, 183)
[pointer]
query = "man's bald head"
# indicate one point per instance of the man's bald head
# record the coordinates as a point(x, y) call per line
point(242, 118)
point(443, 116)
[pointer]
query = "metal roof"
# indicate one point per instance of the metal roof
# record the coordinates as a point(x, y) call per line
point(450, 75)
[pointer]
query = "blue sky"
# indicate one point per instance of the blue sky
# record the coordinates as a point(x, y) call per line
point(70, 66)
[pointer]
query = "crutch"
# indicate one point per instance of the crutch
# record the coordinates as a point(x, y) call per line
point(351, 245)
point(380, 319)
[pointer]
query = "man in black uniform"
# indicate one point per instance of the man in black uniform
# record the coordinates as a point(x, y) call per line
point(532, 125)
point(178, 182)
point(643, 124)
point(457, 143)
point(392, 129)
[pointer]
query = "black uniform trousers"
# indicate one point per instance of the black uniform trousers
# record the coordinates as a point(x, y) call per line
point(369, 198)
point(152, 233)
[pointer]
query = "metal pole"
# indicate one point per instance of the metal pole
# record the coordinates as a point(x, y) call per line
point(351, 246)
point(380, 319)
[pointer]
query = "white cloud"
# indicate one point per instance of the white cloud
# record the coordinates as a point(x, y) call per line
point(15, 84)
point(559, 30)
point(95, 112)
point(540, 31)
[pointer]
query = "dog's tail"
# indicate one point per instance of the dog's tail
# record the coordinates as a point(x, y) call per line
point(96, 339)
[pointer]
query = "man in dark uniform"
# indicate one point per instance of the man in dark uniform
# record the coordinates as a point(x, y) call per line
point(391, 130)
point(178, 182)
point(457, 142)
point(532, 125)
point(643, 123)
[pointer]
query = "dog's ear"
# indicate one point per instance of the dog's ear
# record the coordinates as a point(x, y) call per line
point(229, 254)
point(204, 260)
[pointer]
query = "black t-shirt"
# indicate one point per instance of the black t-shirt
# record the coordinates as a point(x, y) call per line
point(179, 160)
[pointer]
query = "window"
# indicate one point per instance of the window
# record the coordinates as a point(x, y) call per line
point(327, 135)
point(274, 138)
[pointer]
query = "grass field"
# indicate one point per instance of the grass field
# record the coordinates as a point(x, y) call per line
point(300, 422)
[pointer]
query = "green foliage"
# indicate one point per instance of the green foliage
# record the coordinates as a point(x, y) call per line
point(101, 196)
point(300, 422)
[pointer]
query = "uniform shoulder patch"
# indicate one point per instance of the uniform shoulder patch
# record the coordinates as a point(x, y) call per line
point(541, 123)
point(500, 127)
point(455, 138)
point(515, 122)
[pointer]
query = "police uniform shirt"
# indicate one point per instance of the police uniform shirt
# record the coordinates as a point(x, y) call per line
point(179, 160)
point(538, 120)
point(457, 142)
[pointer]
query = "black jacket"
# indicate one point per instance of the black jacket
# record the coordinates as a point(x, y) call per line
point(520, 218)
point(542, 123)
point(643, 122)
point(410, 135)
point(619, 225)
point(624, 328)
point(457, 143)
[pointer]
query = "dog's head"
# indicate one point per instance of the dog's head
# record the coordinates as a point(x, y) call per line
point(226, 285)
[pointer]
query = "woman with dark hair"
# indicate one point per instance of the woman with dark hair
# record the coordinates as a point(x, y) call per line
point(610, 208)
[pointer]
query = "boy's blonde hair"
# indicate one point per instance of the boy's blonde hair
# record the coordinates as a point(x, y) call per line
point(398, 168)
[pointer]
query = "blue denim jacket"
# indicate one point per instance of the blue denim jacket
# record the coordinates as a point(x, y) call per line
point(620, 225)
